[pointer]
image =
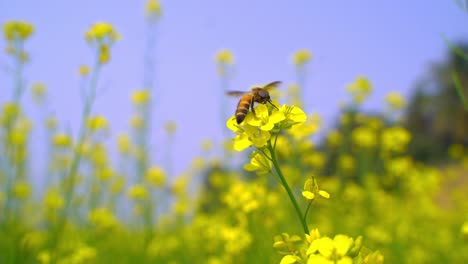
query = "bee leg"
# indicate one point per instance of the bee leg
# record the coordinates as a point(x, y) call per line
point(252, 107)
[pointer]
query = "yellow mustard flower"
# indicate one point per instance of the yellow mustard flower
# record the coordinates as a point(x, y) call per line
point(331, 249)
point(464, 230)
point(141, 97)
point(244, 197)
point(62, 140)
point(101, 31)
point(155, 176)
point(301, 57)
point(153, 9)
point(395, 100)
point(138, 192)
point(38, 91)
point(96, 123)
point(255, 130)
point(170, 127)
point(44, 257)
point(224, 56)
point(84, 254)
point(102, 218)
point(456, 151)
point(117, 185)
point(311, 190)
point(83, 70)
point(53, 200)
point(105, 173)
point(21, 189)
point(346, 163)
point(263, 119)
point(364, 137)
point(395, 139)
point(259, 163)
point(289, 259)
point(207, 144)
point(360, 89)
point(123, 143)
point(17, 30)
point(137, 122)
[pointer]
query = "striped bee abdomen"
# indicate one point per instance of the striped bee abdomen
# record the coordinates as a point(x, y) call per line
point(243, 107)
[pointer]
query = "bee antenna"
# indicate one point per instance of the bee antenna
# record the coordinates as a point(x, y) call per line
point(273, 104)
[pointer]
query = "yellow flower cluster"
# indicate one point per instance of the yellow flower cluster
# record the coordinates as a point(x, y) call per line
point(395, 139)
point(360, 89)
point(103, 35)
point(301, 57)
point(311, 190)
point(256, 129)
point(102, 218)
point(141, 97)
point(155, 176)
point(17, 30)
point(153, 9)
point(395, 100)
point(225, 56)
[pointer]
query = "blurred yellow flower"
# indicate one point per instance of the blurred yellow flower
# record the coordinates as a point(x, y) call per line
point(117, 185)
point(62, 140)
point(21, 189)
point(105, 173)
point(155, 176)
point(83, 70)
point(170, 127)
point(17, 30)
point(456, 151)
point(153, 9)
point(141, 97)
point(464, 230)
point(51, 122)
point(96, 123)
point(207, 144)
point(395, 139)
point(346, 163)
point(301, 57)
point(224, 56)
point(179, 187)
point(138, 192)
point(360, 89)
point(334, 138)
point(137, 122)
point(102, 218)
point(38, 91)
point(53, 200)
point(259, 163)
point(364, 137)
point(100, 32)
point(84, 254)
point(395, 100)
point(123, 143)
point(44, 257)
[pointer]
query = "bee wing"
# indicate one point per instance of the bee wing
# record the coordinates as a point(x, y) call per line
point(272, 85)
point(235, 93)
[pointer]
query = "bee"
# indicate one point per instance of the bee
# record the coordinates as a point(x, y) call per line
point(256, 95)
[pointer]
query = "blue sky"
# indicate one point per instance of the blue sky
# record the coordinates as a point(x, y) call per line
point(392, 42)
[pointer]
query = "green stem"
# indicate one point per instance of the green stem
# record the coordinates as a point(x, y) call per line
point(288, 189)
point(307, 211)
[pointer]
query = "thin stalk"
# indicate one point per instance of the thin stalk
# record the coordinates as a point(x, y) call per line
point(307, 211)
point(288, 189)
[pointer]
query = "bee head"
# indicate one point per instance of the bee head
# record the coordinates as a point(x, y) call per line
point(263, 96)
